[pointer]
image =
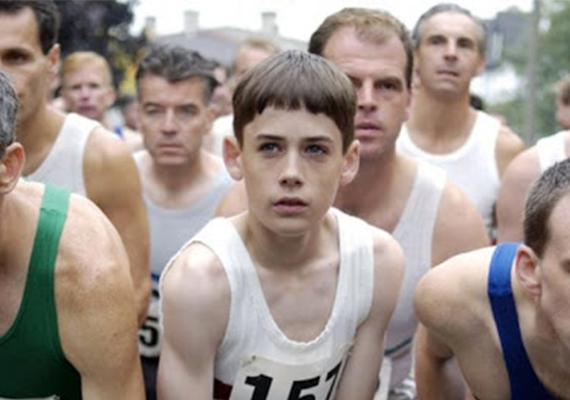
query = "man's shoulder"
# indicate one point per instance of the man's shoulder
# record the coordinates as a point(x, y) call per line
point(87, 230)
point(91, 254)
point(455, 287)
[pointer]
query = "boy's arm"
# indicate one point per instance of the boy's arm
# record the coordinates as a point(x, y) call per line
point(96, 307)
point(195, 310)
point(360, 377)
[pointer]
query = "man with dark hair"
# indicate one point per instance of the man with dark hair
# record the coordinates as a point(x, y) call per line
point(290, 299)
point(70, 150)
point(411, 200)
point(182, 183)
point(504, 312)
point(67, 320)
point(473, 147)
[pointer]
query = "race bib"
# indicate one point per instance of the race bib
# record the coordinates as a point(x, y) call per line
point(263, 379)
point(150, 334)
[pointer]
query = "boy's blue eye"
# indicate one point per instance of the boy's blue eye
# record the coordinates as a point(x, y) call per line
point(315, 149)
point(269, 148)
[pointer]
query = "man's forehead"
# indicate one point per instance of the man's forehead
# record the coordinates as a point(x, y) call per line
point(19, 30)
point(450, 22)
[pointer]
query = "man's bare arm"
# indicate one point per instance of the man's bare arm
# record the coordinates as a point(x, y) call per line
point(509, 146)
point(360, 378)
point(518, 178)
point(195, 296)
point(95, 304)
point(112, 182)
point(435, 368)
point(437, 374)
point(458, 226)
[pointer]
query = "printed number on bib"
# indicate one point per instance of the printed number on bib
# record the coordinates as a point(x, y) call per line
point(150, 335)
point(264, 379)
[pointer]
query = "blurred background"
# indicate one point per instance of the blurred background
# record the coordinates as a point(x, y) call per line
point(528, 40)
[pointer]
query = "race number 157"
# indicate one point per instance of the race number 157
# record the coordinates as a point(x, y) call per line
point(306, 389)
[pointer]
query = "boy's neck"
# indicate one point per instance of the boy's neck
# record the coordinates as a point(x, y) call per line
point(274, 251)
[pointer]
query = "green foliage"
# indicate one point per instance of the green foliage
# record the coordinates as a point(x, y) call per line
point(553, 64)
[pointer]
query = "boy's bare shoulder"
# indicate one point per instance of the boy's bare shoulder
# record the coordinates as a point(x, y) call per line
point(196, 275)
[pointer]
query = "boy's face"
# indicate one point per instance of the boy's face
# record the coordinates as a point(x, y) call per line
point(293, 164)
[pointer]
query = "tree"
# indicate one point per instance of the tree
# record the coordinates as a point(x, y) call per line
point(553, 64)
point(101, 26)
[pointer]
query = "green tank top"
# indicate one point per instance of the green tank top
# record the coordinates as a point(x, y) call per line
point(32, 363)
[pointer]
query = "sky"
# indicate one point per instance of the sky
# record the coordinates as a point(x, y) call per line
point(295, 18)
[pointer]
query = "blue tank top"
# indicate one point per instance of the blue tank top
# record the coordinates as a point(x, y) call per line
point(523, 381)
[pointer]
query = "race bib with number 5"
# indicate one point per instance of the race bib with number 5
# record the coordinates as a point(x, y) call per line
point(150, 334)
point(263, 379)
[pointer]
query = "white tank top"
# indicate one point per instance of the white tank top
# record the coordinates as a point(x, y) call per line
point(472, 167)
point(551, 150)
point(253, 341)
point(169, 230)
point(414, 233)
point(64, 164)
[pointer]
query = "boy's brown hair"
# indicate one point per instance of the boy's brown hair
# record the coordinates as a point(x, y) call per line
point(293, 80)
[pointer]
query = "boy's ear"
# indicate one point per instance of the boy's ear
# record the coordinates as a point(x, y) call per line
point(351, 163)
point(11, 167)
point(232, 157)
point(528, 270)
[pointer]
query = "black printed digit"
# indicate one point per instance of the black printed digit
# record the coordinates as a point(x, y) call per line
point(299, 386)
point(261, 383)
point(333, 374)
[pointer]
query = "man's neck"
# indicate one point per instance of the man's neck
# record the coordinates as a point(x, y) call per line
point(38, 135)
point(180, 185)
point(440, 125)
point(380, 190)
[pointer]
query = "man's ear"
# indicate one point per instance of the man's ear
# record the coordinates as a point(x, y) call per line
point(11, 167)
point(351, 163)
point(481, 65)
point(210, 118)
point(53, 56)
point(232, 157)
point(527, 270)
point(111, 96)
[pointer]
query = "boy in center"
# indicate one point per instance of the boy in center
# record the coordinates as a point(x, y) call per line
point(292, 297)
